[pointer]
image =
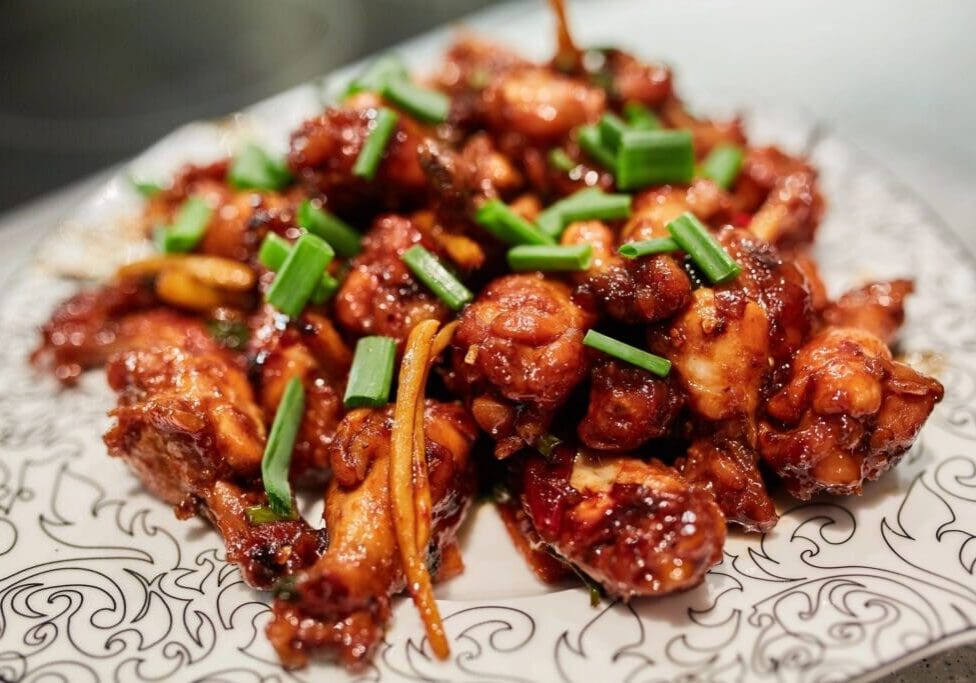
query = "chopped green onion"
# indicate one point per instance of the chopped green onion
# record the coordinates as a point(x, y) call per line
point(723, 165)
point(230, 333)
point(640, 117)
point(625, 352)
point(659, 245)
point(187, 228)
point(383, 69)
point(498, 219)
point(263, 514)
point(612, 129)
point(653, 157)
point(343, 238)
point(426, 105)
point(371, 373)
point(592, 143)
point(696, 241)
point(277, 452)
point(368, 161)
point(253, 169)
point(273, 252)
point(588, 204)
point(299, 275)
point(560, 160)
point(438, 279)
point(549, 258)
point(146, 188)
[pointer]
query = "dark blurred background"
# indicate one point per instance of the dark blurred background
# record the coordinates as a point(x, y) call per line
point(84, 84)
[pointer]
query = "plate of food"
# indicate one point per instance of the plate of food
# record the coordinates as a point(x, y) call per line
point(474, 363)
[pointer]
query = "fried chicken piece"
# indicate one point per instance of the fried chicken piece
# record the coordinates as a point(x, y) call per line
point(729, 470)
point(380, 295)
point(630, 290)
point(878, 308)
point(342, 604)
point(518, 353)
point(324, 150)
point(846, 416)
point(638, 528)
point(706, 133)
point(632, 80)
point(628, 406)
point(461, 179)
point(84, 330)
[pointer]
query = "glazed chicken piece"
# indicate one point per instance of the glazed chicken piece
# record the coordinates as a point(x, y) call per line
point(628, 407)
point(380, 295)
point(518, 353)
point(847, 415)
point(878, 307)
point(706, 133)
point(324, 150)
point(188, 427)
point(628, 79)
point(638, 528)
point(341, 605)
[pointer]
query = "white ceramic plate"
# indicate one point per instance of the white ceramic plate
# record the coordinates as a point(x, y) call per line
point(99, 581)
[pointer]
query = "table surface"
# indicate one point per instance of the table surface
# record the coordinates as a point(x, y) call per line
point(894, 77)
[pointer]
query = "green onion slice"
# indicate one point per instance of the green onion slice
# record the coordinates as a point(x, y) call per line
point(426, 105)
point(696, 241)
point(371, 374)
point(381, 70)
point(253, 169)
point(368, 161)
point(438, 279)
point(299, 275)
point(612, 129)
point(263, 514)
point(640, 117)
point(723, 164)
point(654, 157)
point(499, 219)
point(588, 204)
point(277, 453)
point(550, 258)
point(659, 245)
point(591, 142)
point(339, 234)
point(560, 160)
point(187, 228)
point(272, 254)
point(146, 188)
point(625, 352)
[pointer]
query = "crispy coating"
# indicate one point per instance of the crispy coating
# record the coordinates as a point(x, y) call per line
point(342, 603)
point(791, 205)
point(877, 307)
point(628, 406)
point(846, 416)
point(518, 353)
point(636, 527)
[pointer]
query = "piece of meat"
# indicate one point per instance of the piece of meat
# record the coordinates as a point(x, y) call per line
point(631, 80)
point(633, 291)
point(461, 180)
point(628, 406)
point(877, 307)
point(341, 605)
point(83, 331)
point(380, 295)
point(706, 133)
point(846, 416)
point(637, 528)
point(729, 470)
point(518, 353)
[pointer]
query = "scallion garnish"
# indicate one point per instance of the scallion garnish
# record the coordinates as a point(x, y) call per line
point(371, 373)
point(625, 352)
point(696, 241)
point(426, 105)
point(277, 453)
point(438, 279)
point(272, 254)
point(147, 188)
point(263, 514)
point(340, 235)
point(722, 165)
point(383, 69)
point(612, 129)
point(640, 117)
point(588, 204)
point(187, 228)
point(653, 157)
point(299, 275)
point(550, 258)
point(253, 169)
point(658, 245)
point(368, 161)
point(591, 142)
point(560, 160)
point(498, 219)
